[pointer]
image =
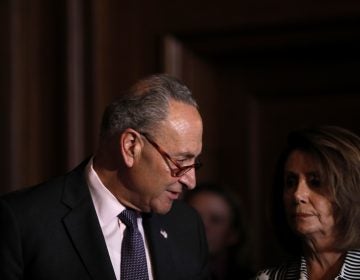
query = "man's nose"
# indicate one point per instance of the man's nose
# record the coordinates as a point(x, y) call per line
point(189, 179)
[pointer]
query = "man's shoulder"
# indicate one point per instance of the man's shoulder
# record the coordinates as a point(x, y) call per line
point(46, 192)
point(33, 193)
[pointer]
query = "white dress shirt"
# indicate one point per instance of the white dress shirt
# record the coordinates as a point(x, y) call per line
point(107, 209)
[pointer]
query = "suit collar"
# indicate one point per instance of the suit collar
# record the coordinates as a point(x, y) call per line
point(83, 227)
point(75, 187)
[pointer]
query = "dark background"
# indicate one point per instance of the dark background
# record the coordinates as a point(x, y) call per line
point(258, 69)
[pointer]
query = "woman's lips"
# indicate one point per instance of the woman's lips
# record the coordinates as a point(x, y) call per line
point(302, 215)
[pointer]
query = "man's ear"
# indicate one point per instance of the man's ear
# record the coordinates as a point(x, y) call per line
point(130, 145)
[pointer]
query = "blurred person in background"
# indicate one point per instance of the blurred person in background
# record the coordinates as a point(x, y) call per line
point(225, 231)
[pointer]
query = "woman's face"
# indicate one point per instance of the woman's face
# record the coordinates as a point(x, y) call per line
point(306, 198)
point(216, 215)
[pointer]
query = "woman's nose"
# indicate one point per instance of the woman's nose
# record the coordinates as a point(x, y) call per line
point(301, 192)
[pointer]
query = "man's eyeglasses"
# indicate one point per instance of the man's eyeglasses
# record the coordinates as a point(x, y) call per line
point(179, 170)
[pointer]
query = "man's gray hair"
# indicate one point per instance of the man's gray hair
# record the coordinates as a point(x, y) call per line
point(144, 105)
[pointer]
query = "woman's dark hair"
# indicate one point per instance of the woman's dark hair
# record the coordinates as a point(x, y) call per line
point(337, 152)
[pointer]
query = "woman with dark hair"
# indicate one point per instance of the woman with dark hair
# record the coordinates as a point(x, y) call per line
point(317, 205)
point(224, 228)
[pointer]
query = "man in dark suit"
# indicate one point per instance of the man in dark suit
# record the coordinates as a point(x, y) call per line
point(68, 228)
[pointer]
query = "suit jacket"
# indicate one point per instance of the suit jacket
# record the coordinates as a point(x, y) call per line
point(51, 231)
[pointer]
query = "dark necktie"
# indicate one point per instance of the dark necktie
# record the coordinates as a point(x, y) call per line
point(133, 258)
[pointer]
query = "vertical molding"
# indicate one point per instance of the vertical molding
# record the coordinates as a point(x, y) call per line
point(25, 111)
point(5, 95)
point(254, 181)
point(173, 57)
point(75, 77)
point(16, 95)
point(100, 56)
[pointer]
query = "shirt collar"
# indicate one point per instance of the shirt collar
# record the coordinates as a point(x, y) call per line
point(106, 205)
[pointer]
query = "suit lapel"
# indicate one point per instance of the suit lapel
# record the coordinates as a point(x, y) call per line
point(160, 250)
point(83, 227)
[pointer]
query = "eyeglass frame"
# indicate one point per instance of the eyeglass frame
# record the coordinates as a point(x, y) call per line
point(181, 170)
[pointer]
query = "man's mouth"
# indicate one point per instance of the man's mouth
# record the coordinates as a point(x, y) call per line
point(173, 195)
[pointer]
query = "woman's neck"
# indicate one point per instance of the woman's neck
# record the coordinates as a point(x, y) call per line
point(322, 262)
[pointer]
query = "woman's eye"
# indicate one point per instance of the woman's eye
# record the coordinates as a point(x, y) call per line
point(290, 181)
point(315, 182)
point(216, 219)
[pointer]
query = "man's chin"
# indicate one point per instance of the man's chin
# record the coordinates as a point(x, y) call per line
point(162, 208)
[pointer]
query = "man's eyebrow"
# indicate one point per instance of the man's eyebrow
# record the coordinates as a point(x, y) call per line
point(187, 155)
